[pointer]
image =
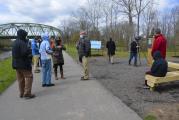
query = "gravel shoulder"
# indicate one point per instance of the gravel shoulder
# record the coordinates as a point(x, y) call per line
point(126, 82)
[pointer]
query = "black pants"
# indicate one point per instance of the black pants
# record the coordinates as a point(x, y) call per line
point(55, 66)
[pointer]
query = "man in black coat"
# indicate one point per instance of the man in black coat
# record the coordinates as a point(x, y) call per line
point(21, 62)
point(110, 45)
point(133, 51)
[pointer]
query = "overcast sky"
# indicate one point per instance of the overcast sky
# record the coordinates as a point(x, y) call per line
point(49, 12)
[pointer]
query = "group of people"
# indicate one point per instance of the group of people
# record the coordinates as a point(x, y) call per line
point(159, 67)
point(49, 49)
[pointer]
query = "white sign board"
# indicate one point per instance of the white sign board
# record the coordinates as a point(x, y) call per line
point(95, 44)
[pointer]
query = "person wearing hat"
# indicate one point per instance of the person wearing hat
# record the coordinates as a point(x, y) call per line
point(21, 62)
point(84, 47)
point(159, 44)
point(57, 57)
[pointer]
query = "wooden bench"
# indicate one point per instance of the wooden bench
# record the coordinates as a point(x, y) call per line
point(153, 81)
point(173, 66)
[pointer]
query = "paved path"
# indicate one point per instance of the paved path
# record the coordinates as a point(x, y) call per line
point(69, 99)
point(5, 55)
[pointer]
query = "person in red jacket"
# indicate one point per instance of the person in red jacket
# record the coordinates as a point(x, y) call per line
point(159, 44)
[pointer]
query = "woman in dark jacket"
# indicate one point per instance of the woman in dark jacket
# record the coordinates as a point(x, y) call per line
point(57, 57)
point(159, 67)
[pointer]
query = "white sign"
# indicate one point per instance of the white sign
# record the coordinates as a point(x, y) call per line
point(95, 44)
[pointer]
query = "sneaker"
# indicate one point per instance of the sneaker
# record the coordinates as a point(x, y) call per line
point(44, 85)
point(84, 78)
point(146, 87)
point(37, 71)
point(31, 96)
point(21, 95)
point(50, 85)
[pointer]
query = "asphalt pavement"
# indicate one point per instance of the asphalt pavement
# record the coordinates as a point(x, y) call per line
point(69, 99)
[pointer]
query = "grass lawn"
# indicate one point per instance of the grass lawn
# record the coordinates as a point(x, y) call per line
point(71, 50)
point(7, 74)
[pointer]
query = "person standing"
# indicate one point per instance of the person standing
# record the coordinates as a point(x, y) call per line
point(159, 44)
point(46, 53)
point(57, 57)
point(21, 62)
point(110, 45)
point(133, 51)
point(35, 53)
point(84, 48)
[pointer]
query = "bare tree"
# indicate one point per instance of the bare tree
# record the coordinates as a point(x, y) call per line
point(140, 6)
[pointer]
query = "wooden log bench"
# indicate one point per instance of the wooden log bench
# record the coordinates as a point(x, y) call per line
point(153, 81)
point(173, 66)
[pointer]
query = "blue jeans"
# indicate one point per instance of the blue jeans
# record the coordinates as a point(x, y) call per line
point(132, 54)
point(46, 71)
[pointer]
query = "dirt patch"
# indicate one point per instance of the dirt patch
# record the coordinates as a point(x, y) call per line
point(165, 111)
point(126, 82)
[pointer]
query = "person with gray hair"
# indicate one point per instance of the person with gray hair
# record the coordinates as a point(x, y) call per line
point(159, 43)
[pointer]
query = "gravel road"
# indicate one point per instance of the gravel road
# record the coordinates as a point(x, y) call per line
point(126, 82)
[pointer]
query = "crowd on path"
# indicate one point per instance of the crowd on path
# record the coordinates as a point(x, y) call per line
point(45, 51)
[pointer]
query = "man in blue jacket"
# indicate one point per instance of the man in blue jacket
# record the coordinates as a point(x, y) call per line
point(35, 53)
point(159, 67)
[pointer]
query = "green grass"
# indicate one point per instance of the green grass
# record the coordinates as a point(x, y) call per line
point(7, 74)
point(71, 50)
point(150, 117)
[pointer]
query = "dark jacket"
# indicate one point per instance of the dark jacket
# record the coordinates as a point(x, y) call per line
point(159, 66)
point(133, 48)
point(110, 45)
point(159, 44)
point(21, 53)
point(58, 55)
point(84, 47)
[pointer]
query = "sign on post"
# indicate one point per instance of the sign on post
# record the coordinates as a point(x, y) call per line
point(95, 44)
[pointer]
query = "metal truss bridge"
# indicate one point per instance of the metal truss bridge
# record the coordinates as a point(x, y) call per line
point(9, 31)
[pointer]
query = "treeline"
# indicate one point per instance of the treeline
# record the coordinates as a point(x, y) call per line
point(5, 44)
point(121, 20)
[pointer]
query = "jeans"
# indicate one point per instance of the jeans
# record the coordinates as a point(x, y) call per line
point(131, 57)
point(46, 71)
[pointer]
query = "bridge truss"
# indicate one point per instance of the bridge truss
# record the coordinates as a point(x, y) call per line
point(9, 31)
